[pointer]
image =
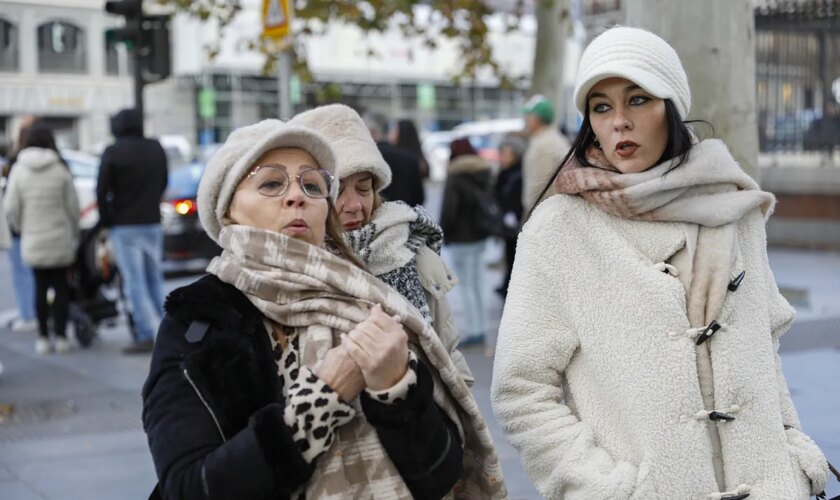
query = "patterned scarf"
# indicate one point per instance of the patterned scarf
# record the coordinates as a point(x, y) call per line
point(320, 295)
point(389, 243)
point(709, 189)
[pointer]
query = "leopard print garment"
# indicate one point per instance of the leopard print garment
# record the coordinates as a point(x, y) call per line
point(321, 295)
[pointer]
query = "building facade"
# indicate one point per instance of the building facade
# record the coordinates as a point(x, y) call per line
point(56, 63)
point(403, 79)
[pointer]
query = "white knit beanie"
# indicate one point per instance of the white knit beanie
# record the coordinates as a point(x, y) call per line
point(234, 159)
point(354, 147)
point(639, 56)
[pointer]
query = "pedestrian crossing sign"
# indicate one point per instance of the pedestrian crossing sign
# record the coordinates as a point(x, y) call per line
point(276, 19)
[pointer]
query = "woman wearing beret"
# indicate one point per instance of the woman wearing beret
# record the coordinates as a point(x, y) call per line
point(637, 354)
point(398, 243)
point(291, 372)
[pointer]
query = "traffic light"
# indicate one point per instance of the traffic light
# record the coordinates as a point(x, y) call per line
point(146, 36)
point(154, 48)
point(131, 32)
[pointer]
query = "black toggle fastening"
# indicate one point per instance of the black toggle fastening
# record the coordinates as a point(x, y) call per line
point(718, 415)
point(734, 284)
point(710, 330)
point(736, 497)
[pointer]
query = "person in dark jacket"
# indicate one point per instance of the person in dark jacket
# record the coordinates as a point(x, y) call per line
point(266, 381)
point(464, 235)
point(407, 184)
point(132, 179)
point(509, 196)
point(405, 137)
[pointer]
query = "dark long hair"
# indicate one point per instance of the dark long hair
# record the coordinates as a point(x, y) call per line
point(21, 141)
point(39, 136)
point(409, 139)
point(677, 148)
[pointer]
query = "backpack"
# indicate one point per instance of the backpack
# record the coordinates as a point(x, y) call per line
point(491, 217)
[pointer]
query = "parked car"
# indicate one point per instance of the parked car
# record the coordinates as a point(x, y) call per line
point(85, 170)
point(186, 247)
point(178, 150)
point(435, 146)
point(485, 136)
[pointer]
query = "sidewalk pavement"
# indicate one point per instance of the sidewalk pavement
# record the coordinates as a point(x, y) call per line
point(70, 424)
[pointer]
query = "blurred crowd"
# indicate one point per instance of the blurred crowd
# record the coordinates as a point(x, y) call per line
point(51, 257)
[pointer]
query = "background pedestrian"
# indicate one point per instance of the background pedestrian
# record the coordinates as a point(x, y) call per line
point(467, 181)
point(406, 137)
point(509, 195)
point(546, 148)
point(132, 179)
point(23, 281)
point(407, 182)
point(42, 206)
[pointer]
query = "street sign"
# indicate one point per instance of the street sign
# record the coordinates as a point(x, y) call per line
point(207, 103)
point(426, 96)
point(294, 89)
point(276, 19)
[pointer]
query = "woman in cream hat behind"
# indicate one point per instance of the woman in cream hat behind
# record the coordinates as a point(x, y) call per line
point(637, 354)
point(289, 371)
point(398, 243)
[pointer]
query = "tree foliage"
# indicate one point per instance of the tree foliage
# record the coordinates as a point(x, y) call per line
point(430, 21)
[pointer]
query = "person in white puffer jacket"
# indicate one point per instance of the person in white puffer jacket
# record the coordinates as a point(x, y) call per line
point(42, 205)
point(638, 348)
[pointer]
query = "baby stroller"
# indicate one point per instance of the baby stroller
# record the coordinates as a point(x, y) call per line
point(96, 290)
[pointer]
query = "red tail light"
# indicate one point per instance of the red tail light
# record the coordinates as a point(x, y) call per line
point(184, 207)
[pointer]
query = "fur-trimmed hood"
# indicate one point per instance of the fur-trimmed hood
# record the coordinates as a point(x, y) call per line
point(38, 158)
point(468, 164)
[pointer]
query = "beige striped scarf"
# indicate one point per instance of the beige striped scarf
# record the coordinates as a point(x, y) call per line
point(320, 295)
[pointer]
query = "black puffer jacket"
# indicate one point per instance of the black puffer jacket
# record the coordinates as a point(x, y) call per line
point(509, 190)
point(213, 409)
point(132, 174)
point(467, 180)
point(407, 180)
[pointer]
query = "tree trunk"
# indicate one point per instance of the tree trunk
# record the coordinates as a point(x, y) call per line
point(553, 25)
point(715, 40)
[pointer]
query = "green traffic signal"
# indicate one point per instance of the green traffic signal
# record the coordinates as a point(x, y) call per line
point(119, 35)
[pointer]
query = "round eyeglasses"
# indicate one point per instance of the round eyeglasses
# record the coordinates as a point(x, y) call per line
point(273, 180)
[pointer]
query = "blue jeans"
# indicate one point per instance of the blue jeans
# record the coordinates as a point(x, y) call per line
point(24, 282)
point(139, 250)
point(468, 261)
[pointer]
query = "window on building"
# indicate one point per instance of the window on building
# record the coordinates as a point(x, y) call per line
point(8, 46)
point(61, 48)
point(118, 61)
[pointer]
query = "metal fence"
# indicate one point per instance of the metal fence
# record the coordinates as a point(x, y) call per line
point(798, 76)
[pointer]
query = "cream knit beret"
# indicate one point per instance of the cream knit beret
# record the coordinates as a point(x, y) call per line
point(234, 159)
point(639, 56)
point(349, 136)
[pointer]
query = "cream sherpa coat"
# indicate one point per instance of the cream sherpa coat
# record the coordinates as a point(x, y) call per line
point(595, 379)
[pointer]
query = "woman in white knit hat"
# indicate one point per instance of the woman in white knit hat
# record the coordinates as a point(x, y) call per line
point(637, 354)
point(289, 371)
point(398, 243)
